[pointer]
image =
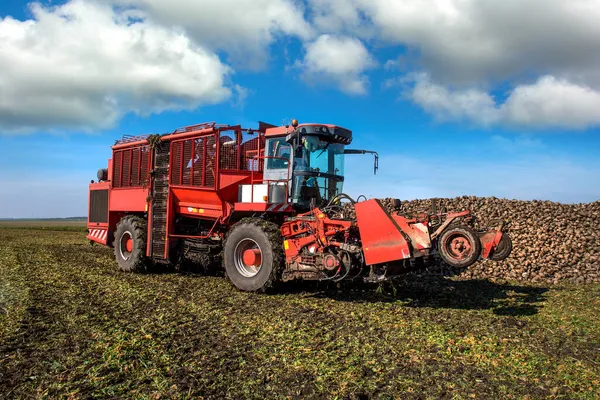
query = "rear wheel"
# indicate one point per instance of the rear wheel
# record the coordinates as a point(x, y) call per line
point(503, 250)
point(459, 246)
point(130, 244)
point(253, 255)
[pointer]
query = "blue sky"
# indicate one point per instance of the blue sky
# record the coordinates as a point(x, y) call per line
point(473, 110)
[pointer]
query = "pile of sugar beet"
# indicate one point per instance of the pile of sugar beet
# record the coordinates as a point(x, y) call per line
point(552, 242)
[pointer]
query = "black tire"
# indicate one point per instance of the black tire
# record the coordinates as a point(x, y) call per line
point(469, 251)
point(134, 228)
point(503, 250)
point(254, 234)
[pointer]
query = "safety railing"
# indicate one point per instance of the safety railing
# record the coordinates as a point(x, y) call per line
point(131, 139)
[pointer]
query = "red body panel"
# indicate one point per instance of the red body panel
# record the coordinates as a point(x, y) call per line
point(489, 241)
point(381, 237)
point(207, 199)
point(98, 231)
point(132, 200)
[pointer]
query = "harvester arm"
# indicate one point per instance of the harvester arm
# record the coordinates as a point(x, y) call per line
point(375, 165)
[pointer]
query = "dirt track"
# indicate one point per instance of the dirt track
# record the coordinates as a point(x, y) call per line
point(72, 326)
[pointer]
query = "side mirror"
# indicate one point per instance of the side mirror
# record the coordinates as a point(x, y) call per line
point(375, 161)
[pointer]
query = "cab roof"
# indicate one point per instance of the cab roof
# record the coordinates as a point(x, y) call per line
point(282, 130)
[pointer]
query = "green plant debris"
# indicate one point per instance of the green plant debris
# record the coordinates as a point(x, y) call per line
point(72, 326)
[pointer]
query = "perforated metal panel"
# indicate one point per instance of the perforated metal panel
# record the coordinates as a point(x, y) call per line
point(199, 166)
point(187, 162)
point(116, 181)
point(176, 160)
point(145, 166)
point(193, 162)
point(98, 211)
point(135, 168)
point(131, 167)
point(126, 169)
point(230, 151)
point(250, 149)
point(210, 159)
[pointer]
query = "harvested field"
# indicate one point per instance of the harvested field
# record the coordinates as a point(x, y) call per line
point(45, 224)
point(71, 326)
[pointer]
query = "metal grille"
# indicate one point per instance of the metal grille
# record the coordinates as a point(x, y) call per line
point(131, 167)
point(187, 162)
point(210, 160)
point(229, 148)
point(250, 148)
point(198, 166)
point(176, 169)
point(117, 169)
point(135, 168)
point(125, 182)
point(145, 167)
point(98, 206)
point(193, 162)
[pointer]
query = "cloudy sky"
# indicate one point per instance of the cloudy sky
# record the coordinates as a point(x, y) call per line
point(459, 97)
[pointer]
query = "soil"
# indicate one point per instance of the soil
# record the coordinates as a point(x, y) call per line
point(73, 326)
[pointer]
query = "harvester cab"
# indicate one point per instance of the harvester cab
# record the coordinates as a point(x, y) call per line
point(311, 158)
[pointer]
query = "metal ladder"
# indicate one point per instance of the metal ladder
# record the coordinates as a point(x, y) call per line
point(159, 201)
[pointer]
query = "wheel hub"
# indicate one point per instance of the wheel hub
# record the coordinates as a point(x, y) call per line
point(248, 258)
point(126, 245)
point(460, 247)
point(252, 257)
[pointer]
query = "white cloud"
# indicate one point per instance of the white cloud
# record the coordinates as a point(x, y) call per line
point(469, 41)
point(445, 104)
point(469, 46)
point(335, 16)
point(87, 63)
point(242, 28)
point(83, 65)
point(343, 60)
point(547, 103)
point(553, 102)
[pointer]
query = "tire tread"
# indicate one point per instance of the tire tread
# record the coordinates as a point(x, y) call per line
point(275, 239)
point(139, 227)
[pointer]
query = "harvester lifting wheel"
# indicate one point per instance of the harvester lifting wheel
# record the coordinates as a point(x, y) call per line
point(253, 255)
point(503, 249)
point(130, 244)
point(459, 246)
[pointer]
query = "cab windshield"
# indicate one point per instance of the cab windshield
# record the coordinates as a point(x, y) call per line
point(318, 175)
point(321, 156)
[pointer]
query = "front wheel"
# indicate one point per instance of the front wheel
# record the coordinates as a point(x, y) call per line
point(459, 246)
point(503, 250)
point(130, 244)
point(253, 255)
